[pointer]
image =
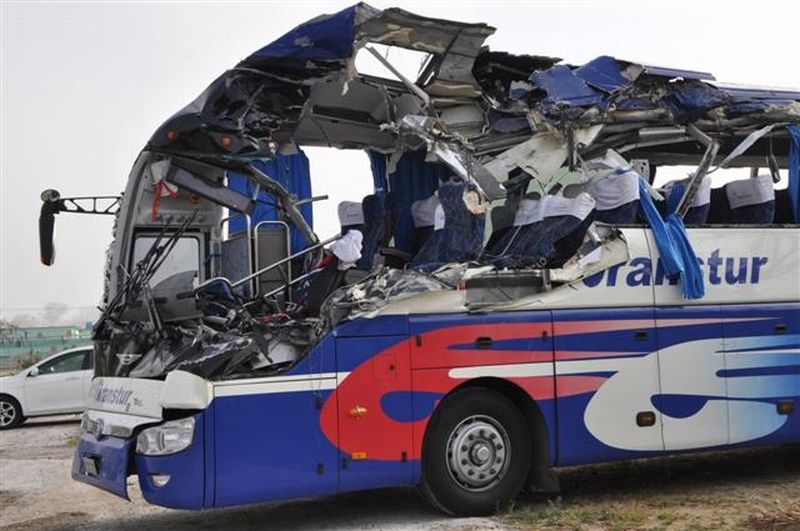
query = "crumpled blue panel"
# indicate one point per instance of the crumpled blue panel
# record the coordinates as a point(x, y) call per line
point(689, 99)
point(564, 87)
point(673, 244)
point(293, 172)
point(634, 104)
point(507, 123)
point(603, 73)
point(324, 37)
point(461, 239)
point(794, 171)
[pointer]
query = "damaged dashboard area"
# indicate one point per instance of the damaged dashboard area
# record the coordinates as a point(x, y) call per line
point(522, 171)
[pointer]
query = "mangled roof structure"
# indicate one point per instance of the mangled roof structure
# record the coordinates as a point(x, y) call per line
point(304, 89)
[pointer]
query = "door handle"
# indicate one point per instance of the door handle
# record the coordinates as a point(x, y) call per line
point(483, 342)
point(72, 378)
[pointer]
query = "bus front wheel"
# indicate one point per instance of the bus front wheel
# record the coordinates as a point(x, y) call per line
point(477, 453)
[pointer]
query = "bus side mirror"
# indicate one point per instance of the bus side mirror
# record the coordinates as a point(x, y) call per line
point(51, 205)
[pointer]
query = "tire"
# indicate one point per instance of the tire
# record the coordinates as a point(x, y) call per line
point(476, 453)
point(10, 413)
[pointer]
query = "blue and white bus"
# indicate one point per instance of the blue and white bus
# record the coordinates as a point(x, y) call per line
point(519, 292)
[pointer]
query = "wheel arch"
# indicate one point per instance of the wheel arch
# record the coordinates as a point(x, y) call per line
point(19, 402)
point(15, 399)
point(540, 478)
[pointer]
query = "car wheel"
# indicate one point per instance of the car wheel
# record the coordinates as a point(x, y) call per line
point(10, 413)
point(477, 453)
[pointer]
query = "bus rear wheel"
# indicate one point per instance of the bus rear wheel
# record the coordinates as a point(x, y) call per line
point(477, 453)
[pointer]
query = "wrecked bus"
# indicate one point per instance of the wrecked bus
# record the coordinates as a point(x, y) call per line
point(516, 294)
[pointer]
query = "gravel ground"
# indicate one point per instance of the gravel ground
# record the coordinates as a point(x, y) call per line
point(746, 489)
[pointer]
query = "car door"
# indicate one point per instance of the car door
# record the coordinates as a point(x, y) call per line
point(58, 385)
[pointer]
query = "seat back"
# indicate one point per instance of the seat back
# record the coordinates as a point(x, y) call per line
point(423, 213)
point(547, 231)
point(752, 201)
point(351, 216)
point(374, 220)
point(502, 224)
point(272, 243)
point(322, 284)
point(783, 207)
point(461, 237)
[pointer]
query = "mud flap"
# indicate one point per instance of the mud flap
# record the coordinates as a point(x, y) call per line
point(103, 463)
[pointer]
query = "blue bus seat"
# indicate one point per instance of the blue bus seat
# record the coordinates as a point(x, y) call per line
point(751, 201)
point(460, 238)
point(546, 233)
point(423, 213)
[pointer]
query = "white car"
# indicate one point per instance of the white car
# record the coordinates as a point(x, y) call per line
point(56, 385)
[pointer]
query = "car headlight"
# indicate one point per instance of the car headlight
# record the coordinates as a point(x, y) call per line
point(168, 438)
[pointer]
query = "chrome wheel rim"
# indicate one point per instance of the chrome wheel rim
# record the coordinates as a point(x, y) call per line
point(7, 413)
point(478, 453)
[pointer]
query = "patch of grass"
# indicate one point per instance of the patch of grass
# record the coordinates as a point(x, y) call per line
point(667, 517)
point(779, 519)
point(557, 514)
point(623, 516)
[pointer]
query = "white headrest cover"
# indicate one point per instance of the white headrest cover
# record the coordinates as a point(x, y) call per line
point(579, 206)
point(350, 213)
point(703, 195)
point(423, 211)
point(438, 217)
point(534, 210)
point(613, 190)
point(748, 192)
point(529, 211)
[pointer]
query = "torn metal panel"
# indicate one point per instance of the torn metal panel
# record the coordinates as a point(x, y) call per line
point(540, 156)
point(468, 120)
point(603, 247)
point(455, 44)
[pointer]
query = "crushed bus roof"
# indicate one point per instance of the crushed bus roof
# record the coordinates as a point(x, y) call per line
point(304, 89)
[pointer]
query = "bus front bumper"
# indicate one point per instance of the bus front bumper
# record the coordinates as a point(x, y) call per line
point(176, 480)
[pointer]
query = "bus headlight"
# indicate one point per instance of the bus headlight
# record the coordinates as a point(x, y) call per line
point(168, 438)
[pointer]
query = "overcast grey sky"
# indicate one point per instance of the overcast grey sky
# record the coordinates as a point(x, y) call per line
point(84, 85)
